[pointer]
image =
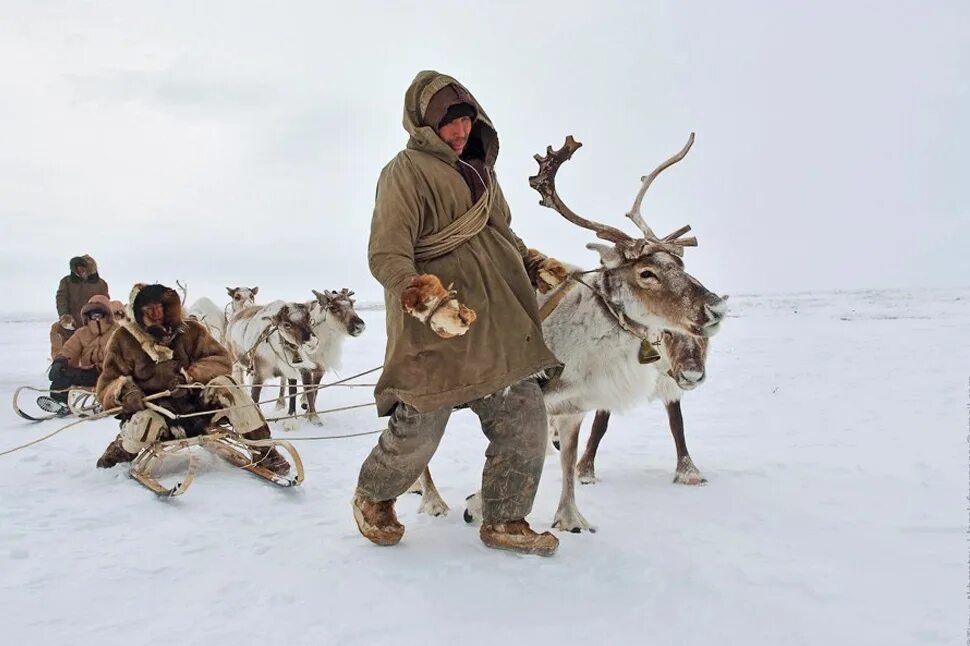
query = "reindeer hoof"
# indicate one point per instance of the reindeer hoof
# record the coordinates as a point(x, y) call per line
point(555, 443)
point(587, 478)
point(572, 521)
point(436, 509)
point(693, 479)
point(468, 517)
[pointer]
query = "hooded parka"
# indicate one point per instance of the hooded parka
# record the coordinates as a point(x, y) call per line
point(420, 192)
point(86, 347)
point(74, 292)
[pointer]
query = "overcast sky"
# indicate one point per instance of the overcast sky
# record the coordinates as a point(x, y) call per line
point(238, 143)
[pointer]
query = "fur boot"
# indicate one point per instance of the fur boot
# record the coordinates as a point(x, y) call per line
point(517, 536)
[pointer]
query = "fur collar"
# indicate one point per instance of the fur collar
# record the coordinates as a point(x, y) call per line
point(158, 352)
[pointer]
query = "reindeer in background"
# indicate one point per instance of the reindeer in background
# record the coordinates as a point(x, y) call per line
point(216, 318)
point(332, 318)
point(274, 340)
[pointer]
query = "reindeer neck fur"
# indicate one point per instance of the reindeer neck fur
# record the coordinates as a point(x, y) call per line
point(331, 336)
point(602, 369)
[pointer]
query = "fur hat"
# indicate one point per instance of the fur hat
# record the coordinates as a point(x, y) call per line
point(142, 295)
point(449, 100)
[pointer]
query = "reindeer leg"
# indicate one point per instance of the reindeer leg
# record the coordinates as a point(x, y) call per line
point(586, 469)
point(312, 379)
point(292, 388)
point(431, 501)
point(473, 508)
point(281, 396)
point(686, 473)
point(257, 387)
point(568, 517)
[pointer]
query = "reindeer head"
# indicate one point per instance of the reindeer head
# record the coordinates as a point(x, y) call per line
point(644, 278)
point(687, 356)
point(295, 326)
point(337, 310)
point(242, 297)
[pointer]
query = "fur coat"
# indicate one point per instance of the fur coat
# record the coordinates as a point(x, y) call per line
point(133, 353)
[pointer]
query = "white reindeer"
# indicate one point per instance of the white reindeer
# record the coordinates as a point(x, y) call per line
point(687, 358)
point(274, 340)
point(333, 318)
point(596, 322)
point(216, 318)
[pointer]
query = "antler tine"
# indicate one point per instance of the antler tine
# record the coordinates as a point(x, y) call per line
point(634, 213)
point(545, 184)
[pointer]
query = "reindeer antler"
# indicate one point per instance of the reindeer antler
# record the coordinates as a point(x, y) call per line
point(545, 183)
point(673, 241)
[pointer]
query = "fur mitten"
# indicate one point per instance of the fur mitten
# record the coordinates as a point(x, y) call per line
point(427, 300)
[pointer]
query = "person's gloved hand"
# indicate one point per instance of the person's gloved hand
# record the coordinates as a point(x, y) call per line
point(550, 273)
point(67, 322)
point(132, 400)
point(167, 376)
point(544, 272)
point(57, 368)
point(427, 300)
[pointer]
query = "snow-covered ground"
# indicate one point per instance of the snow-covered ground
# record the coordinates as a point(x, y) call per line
point(833, 429)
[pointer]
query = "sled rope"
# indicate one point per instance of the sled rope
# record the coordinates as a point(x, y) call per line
point(106, 413)
point(333, 437)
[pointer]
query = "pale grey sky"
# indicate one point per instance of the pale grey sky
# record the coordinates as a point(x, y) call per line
point(238, 143)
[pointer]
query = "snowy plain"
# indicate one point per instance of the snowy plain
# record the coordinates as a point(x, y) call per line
point(833, 428)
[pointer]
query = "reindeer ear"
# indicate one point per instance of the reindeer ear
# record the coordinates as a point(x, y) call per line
point(610, 257)
point(231, 291)
point(255, 290)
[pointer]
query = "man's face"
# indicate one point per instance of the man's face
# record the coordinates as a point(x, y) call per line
point(81, 271)
point(153, 314)
point(455, 133)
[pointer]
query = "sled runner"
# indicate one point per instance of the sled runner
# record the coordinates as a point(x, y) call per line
point(80, 402)
point(232, 448)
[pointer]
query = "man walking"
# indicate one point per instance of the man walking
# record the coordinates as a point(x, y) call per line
point(440, 219)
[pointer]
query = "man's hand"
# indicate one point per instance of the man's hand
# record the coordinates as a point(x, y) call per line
point(66, 321)
point(550, 274)
point(132, 400)
point(427, 300)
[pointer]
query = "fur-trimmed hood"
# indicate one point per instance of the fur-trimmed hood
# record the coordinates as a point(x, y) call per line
point(141, 295)
point(97, 303)
point(91, 266)
point(426, 100)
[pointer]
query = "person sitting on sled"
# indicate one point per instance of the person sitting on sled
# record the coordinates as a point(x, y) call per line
point(156, 350)
point(78, 362)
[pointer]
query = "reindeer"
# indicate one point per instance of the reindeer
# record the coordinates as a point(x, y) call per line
point(274, 340)
point(597, 321)
point(687, 358)
point(332, 317)
point(216, 318)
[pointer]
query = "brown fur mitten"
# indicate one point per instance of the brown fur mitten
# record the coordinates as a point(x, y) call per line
point(544, 272)
point(427, 300)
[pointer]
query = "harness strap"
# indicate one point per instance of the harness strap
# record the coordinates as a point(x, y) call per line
point(547, 308)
